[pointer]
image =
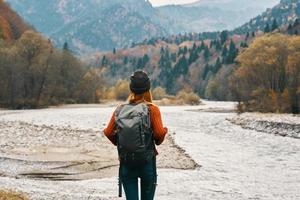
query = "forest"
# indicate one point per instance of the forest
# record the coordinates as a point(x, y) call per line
point(209, 67)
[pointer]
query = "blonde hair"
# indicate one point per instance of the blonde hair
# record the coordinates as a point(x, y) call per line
point(138, 98)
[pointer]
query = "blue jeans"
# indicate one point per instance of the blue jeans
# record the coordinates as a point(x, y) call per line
point(148, 176)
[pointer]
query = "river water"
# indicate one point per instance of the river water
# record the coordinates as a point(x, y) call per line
point(235, 163)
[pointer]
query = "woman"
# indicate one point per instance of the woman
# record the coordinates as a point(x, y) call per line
point(140, 94)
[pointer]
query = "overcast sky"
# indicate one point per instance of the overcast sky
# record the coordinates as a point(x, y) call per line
point(164, 2)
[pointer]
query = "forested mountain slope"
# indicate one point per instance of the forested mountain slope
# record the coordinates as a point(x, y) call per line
point(88, 26)
point(287, 11)
point(203, 63)
point(92, 25)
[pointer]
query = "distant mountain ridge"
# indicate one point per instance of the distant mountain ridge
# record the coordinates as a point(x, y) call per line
point(287, 11)
point(214, 15)
point(92, 25)
point(89, 26)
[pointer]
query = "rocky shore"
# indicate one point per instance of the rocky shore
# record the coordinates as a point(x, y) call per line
point(277, 124)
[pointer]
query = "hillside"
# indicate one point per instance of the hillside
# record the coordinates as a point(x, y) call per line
point(92, 25)
point(104, 25)
point(287, 11)
point(214, 15)
point(202, 63)
point(11, 24)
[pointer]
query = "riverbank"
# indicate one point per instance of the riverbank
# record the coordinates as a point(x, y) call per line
point(60, 153)
point(277, 124)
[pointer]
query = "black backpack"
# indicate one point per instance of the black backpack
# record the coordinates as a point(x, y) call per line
point(134, 134)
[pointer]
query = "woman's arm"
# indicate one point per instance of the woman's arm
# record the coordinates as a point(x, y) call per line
point(158, 129)
point(109, 131)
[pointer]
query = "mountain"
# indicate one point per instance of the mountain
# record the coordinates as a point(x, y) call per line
point(214, 15)
point(287, 11)
point(11, 24)
point(92, 25)
point(89, 26)
point(202, 62)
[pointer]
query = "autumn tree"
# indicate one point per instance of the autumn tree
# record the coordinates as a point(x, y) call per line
point(33, 74)
point(268, 76)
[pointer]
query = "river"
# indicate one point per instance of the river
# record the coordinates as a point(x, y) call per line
point(235, 163)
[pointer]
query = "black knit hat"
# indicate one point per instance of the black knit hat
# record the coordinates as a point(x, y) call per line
point(139, 82)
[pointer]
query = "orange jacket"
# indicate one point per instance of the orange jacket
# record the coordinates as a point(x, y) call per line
point(158, 130)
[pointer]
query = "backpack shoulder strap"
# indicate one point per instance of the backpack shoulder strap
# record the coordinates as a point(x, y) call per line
point(119, 109)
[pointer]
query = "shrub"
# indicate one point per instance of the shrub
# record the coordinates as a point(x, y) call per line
point(188, 97)
point(122, 90)
point(110, 93)
point(118, 92)
point(158, 93)
point(11, 195)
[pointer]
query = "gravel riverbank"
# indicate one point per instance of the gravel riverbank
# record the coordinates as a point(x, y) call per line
point(277, 124)
point(60, 153)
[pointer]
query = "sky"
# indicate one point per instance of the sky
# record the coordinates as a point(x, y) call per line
point(164, 2)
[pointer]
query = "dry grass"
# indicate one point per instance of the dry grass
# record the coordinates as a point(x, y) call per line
point(12, 195)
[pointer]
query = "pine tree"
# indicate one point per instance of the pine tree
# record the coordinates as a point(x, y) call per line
point(180, 51)
point(274, 25)
point(193, 55)
point(247, 36)
point(104, 61)
point(205, 71)
point(290, 29)
point(224, 51)
point(167, 54)
point(133, 61)
point(140, 64)
point(244, 45)
point(297, 22)
point(202, 46)
point(224, 36)
point(194, 46)
point(146, 59)
point(173, 57)
point(212, 43)
point(267, 28)
point(114, 51)
point(218, 45)
point(185, 50)
point(206, 53)
point(217, 65)
point(232, 53)
point(181, 67)
point(253, 34)
point(166, 72)
point(66, 46)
